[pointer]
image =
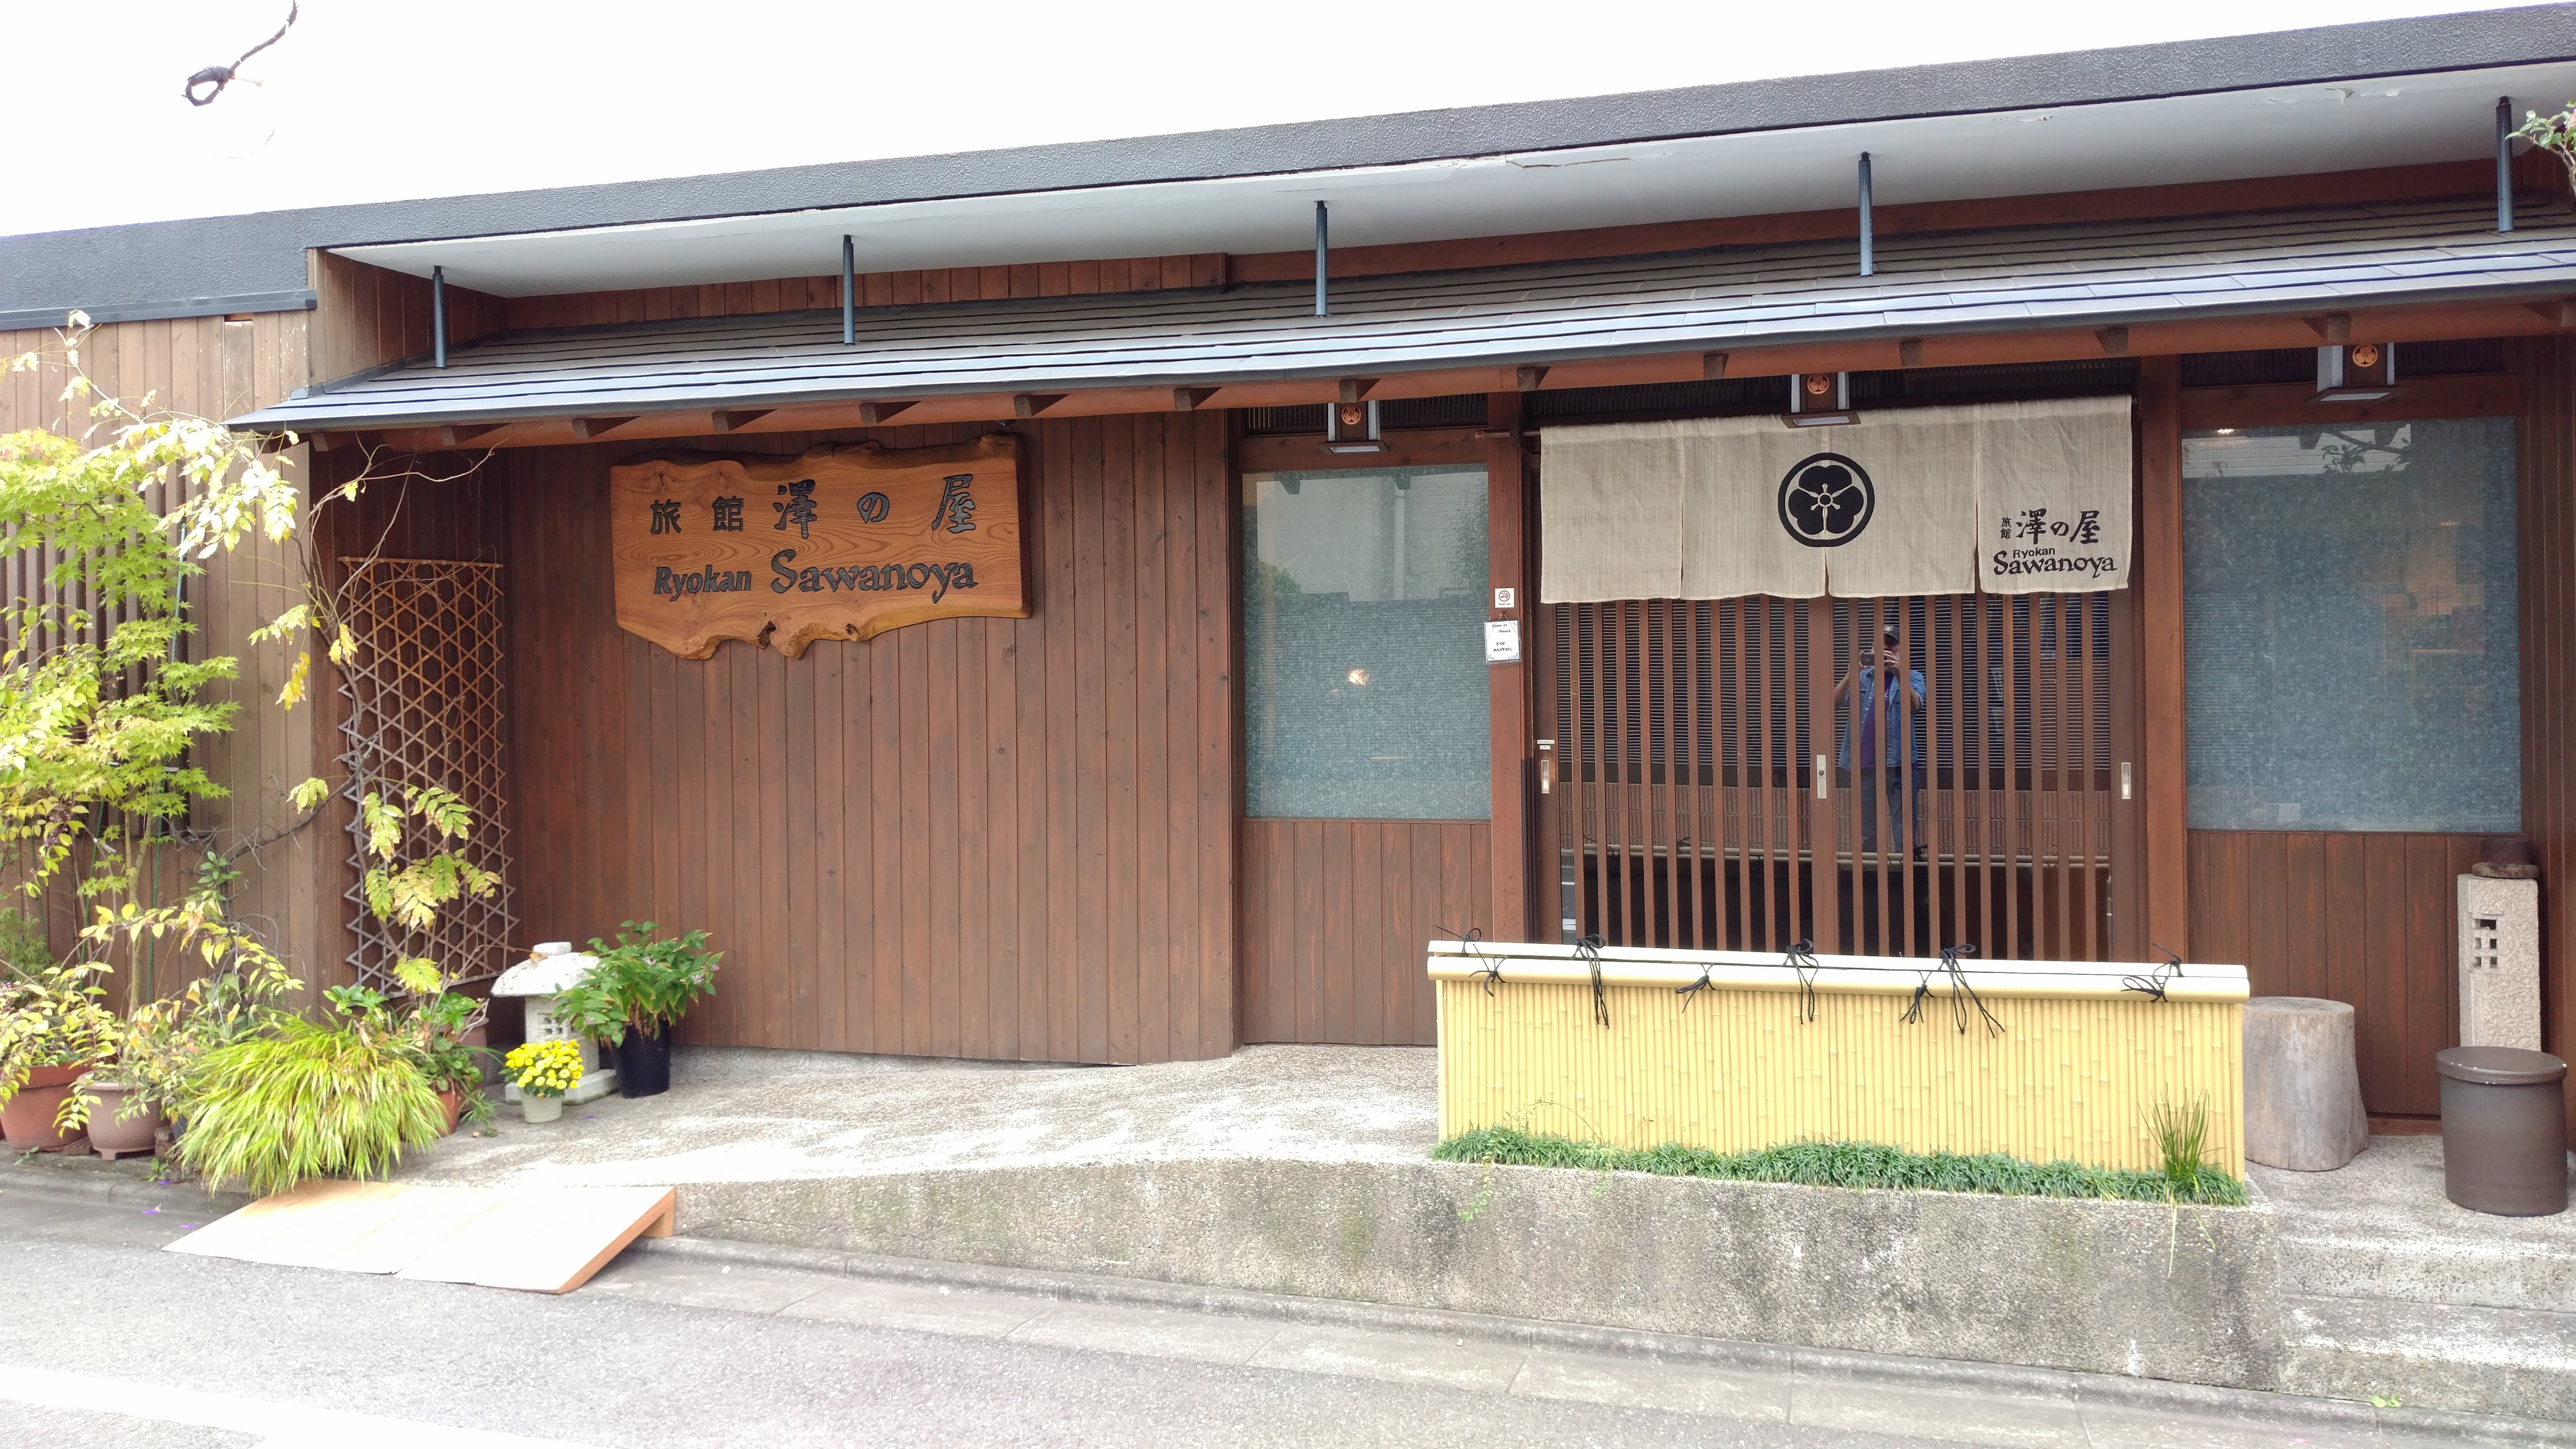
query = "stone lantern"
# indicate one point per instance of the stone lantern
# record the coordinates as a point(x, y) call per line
point(554, 966)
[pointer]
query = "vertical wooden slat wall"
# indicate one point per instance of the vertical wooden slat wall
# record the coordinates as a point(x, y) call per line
point(981, 837)
point(2358, 917)
point(1336, 914)
point(365, 316)
point(876, 289)
point(209, 367)
point(2546, 512)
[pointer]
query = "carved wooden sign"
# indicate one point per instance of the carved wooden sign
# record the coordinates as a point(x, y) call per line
point(844, 542)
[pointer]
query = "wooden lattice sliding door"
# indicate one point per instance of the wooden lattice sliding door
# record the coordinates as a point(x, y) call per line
point(424, 692)
point(1683, 805)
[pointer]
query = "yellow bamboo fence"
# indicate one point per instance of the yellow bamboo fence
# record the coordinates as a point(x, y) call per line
point(2038, 1059)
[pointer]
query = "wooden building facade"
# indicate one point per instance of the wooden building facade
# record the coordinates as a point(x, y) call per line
point(1050, 837)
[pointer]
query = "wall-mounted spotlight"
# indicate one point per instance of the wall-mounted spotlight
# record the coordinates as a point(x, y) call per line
point(2356, 372)
point(1351, 427)
point(1820, 400)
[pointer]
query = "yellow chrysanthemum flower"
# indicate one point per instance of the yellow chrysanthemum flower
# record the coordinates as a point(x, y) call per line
point(545, 1068)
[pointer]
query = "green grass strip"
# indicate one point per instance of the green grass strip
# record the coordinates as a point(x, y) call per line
point(1853, 1164)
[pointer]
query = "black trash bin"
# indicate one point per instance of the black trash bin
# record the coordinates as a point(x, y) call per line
point(2504, 1130)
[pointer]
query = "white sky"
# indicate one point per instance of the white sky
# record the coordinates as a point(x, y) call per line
point(369, 100)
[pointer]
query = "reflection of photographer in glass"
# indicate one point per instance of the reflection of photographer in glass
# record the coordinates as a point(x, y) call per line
point(1883, 755)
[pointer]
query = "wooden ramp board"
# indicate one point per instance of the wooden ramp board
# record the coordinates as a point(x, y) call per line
point(546, 1240)
point(541, 1240)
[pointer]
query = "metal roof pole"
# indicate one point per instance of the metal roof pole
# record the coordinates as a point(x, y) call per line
point(1323, 300)
point(2504, 163)
point(849, 293)
point(1868, 248)
point(438, 316)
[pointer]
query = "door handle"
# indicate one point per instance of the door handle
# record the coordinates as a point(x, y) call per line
point(1821, 777)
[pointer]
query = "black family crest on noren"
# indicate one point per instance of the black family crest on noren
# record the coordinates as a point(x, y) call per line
point(1826, 500)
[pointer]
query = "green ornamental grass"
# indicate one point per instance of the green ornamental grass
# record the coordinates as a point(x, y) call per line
point(309, 1101)
point(1850, 1164)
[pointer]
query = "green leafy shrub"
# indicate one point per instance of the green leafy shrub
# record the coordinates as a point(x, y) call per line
point(156, 1050)
point(1848, 1164)
point(23, 947)
point(306, 1101)
point(430, 1027)
point(644, 982)
point(49, 1017)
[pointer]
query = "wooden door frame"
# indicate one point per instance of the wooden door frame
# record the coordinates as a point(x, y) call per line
point(2305, 936)
point(2165, 411)
point(2155, 576)
point(1511, 549)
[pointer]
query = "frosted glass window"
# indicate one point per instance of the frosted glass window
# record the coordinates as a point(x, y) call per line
point(1363, 645)
point(2349, 640)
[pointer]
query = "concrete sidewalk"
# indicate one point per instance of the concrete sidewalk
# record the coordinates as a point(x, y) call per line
point(1305, 1171)
point(742, 1115)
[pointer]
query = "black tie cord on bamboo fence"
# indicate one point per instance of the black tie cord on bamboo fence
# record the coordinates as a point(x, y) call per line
point(1589, 948)
point(2155, 985)
point(1802, 959)
point(1962, 995)
point(1491, 969)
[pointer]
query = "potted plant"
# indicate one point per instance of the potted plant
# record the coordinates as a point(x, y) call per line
point(444, 1033)
point(53, 1026)
point(543, 1071)
point(640, 988)
point(305, 1099)
point(143, 1073)
point(436, 1028)
point(120, 1102)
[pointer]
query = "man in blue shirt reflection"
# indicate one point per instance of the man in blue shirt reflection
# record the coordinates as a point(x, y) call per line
point(1885, 687)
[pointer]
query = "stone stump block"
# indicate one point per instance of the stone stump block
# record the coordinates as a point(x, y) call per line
point(2303, 1106)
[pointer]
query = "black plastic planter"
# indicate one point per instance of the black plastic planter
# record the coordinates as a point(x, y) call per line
point(644, 1064)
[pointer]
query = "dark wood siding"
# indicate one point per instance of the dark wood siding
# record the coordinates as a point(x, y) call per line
point(209, 367)
point(973, 837)
point(875, 289)
point(1336, 915)
point(2546, 508)
point(2363, 918)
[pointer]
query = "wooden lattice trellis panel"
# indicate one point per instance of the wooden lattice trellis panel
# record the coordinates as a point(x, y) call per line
point(425, 708)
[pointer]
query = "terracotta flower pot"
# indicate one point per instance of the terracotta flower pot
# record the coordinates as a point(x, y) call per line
point(27, 1119)
point(58, 1076)
point(114, 1133)
point(452, 1102)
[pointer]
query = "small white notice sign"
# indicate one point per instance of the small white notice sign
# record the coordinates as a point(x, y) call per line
point(1502, 641)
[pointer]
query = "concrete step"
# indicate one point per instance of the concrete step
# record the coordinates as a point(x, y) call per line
point(2534, 1273)
point(2381, 1228)
point(2431, 1355)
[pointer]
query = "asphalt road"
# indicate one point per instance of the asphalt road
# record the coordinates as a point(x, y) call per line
point(106, 1341)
